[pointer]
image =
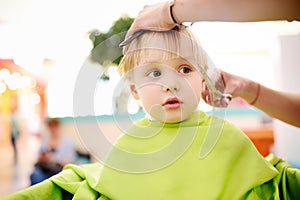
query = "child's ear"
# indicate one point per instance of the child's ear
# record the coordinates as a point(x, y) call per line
point(134, 92)
point(205, 91)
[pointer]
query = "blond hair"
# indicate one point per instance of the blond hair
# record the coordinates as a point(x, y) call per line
point(178, 43)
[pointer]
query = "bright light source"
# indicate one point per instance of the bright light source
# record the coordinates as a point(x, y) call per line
point(4, 74)
point(35, 98)
point(2, 87)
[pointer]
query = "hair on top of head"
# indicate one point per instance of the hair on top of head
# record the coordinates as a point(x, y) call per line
point(175, 43)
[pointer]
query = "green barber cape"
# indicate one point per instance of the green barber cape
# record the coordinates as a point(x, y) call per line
point(201, 158)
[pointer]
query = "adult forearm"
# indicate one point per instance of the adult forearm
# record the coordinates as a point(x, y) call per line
point(281, 105)
point(236, 10)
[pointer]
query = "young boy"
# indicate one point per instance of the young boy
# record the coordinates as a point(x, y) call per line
point(161, 156)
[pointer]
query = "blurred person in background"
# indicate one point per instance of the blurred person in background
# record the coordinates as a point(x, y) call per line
point(56, 151)
point(14, 129)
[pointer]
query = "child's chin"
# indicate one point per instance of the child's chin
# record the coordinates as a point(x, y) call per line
point(173, 120)
point(169, 120)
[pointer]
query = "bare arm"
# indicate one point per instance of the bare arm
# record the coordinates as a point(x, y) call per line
point(236, 10)
point(281, 105)
point(157, 16)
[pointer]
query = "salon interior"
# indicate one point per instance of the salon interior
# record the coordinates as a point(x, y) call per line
point(42, 57)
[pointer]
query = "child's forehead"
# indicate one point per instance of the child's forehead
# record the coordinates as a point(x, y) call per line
point(178, 45)
point(161, 56)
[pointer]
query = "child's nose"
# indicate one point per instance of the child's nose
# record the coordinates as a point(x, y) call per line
point(170, 88)
point(171, 84)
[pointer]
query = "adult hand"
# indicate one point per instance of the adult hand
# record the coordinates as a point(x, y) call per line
point(154, 17)
point(235, 85)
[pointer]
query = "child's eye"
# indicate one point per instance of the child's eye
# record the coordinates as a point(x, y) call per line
point(185, 70)
point(154, 73)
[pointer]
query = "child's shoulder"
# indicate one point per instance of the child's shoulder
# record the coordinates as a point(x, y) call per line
point(228, 129)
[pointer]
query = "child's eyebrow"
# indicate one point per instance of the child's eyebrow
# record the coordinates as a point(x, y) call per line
point(151, 65)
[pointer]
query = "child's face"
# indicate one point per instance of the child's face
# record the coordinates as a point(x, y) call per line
point(169, 90)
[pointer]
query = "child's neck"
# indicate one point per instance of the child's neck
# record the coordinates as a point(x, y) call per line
point(150, 118)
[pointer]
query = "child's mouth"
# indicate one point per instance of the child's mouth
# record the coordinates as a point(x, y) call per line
point(172, 103)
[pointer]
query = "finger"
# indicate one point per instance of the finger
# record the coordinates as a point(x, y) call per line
point(205, 92)
point(225, 79)
point(231, 83)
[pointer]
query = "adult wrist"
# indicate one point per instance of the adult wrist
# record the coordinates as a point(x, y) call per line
point(258, 87)
point(173, 17)
point(251, 92)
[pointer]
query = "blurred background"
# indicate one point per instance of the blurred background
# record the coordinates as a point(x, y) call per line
point(45, 44)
